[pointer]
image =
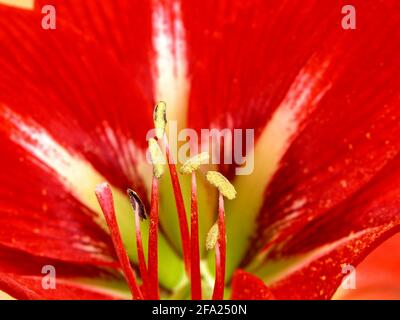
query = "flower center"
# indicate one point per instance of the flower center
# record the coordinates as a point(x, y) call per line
point(216, 238)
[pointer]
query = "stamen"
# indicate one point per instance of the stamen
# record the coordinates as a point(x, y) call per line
point(212, 237)
point(194, 163)
point(220, 253)
point(189, 167)
point(137, 204)
point(223, 184)
point(216, 237)
point(225, 189)
point(183, 224)
point(157, 158)
point(160, 119)
point(194, 246)
point(140, 214)
point(106, 201)
point(153, 242)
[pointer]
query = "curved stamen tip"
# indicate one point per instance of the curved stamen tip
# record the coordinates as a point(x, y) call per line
point(222, 183)
point(105, 198)
point(157, 158)
point(212, 237)
point(137, 204)
point(194, 163)
point(160, 118)
point(102, 187)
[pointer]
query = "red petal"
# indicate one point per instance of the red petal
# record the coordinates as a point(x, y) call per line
point(40, 216)
point(349, 135)
point(378, 275)
point(350, 231)
point(320, 277)
point(341, 148)
point(122, 28)
point(374, 205)
point(18, 262)
point(79, 92)
point(87, 92)
point(11, 286)
point(30, 288)
point(245, 286)
point(21, 277)
point(255, 51)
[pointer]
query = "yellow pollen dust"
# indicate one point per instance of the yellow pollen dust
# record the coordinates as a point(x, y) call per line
point(212, 237)
point(222, 183)
point(157, 158)
point(194, 163)
point(160, 118)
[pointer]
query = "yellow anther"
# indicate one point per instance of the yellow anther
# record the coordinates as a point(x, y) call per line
point(212, 237)
point(222, 183)
point(194, 163)
point(160, 118)
point(157, 158)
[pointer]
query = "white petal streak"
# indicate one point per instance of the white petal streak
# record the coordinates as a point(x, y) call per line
point(289, 118)
point(170, 79)
point(23, 4)
point(78, 175)
point(302, 98)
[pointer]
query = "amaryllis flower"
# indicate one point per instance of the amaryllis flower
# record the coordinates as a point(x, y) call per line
point(76, 104)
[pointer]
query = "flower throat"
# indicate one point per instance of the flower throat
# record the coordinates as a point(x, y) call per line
point(216, 237)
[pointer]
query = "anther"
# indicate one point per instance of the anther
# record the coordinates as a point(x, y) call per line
point(157, 158)
point(160, 118)
point(212, 237)
point(194, 163)
point(137, 204)
point(222, 183)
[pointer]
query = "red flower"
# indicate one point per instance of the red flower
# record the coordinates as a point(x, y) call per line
point(76, 104)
